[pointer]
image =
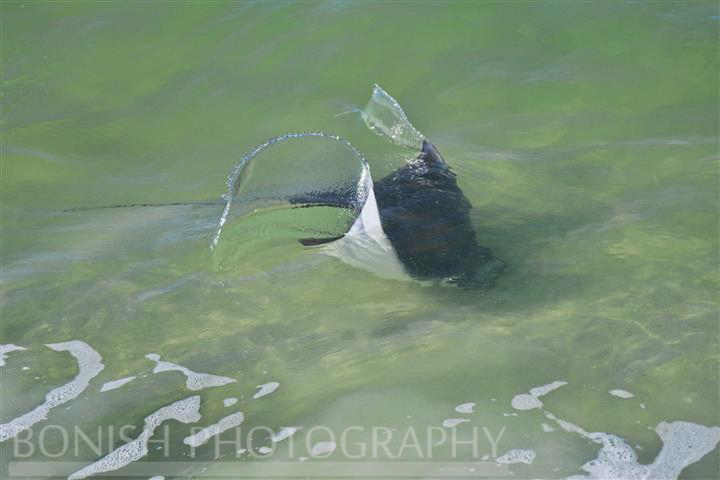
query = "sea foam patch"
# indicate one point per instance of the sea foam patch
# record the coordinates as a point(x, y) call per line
point(323, 449)
point(266, 389)
point(531, 400)
point(284, 433)
point(465, 407)
point(116, 383)
point(195, 380)
point(684, 443)
point(453, 422)
point(621, 393)
point(186, 410)
point(6, 349)
point(517, 456)
point(89, 365)
point(225, 424)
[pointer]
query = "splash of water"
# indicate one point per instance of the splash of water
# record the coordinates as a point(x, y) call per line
point(384, 116)
point(234, 179)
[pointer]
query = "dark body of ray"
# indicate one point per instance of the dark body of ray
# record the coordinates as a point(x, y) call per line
point(426, 217)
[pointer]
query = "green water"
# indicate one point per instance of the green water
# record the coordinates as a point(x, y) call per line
point(584, 134)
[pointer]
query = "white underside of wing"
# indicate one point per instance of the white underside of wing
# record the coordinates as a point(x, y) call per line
point(366, 246)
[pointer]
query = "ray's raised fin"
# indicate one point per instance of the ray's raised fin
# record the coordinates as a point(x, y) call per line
point(430, 155)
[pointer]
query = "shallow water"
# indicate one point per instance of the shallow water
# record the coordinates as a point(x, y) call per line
point(585, 136)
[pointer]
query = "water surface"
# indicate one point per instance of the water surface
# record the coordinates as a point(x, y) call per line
point(585, 136)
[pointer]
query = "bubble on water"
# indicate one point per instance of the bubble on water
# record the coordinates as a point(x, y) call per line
point(465, 407)
point(621, 393)
point(529, 401)
point(266, 389)
point(6, 349)
point(230, 401)
point(195, 380)
point(116, 383)
point(89, 365)
point(225, 424)
point(517, 456)
point(186, 410)
point(453, 422)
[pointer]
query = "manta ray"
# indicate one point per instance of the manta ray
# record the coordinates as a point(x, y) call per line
point(412, 224)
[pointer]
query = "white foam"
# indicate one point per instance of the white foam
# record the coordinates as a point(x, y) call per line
point(323, 448)
point(684, 443)
point(195, 380)
point(284, 433)
point(229, 402)
point(266, 389)
point(529, 401)
point(264, 450)
point(225, 424)
point(186, 410)
point(517, 456)
point(545, 389)
point(571, 427)
point(453, 422)
point(547, 428)
point(465, 407)
point(6, 349)
point(157, 477)
point(621, 393)
point(116, 383)
point(89, 365)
